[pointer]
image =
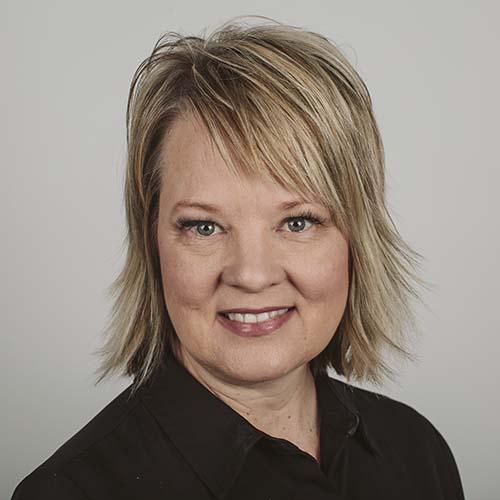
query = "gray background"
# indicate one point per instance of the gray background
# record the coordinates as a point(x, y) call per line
point(432, 70)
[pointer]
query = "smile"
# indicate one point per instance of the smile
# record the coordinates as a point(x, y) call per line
point(255, 318)
point(255, 325)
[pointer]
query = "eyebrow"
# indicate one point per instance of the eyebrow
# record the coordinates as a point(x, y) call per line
point(217, 210)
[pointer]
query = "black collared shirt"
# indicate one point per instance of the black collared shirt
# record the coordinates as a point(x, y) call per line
point(175, 440)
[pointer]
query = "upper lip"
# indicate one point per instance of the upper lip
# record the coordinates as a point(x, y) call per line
point(243, 310)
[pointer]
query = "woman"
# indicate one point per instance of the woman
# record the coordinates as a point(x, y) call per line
point(260, 252)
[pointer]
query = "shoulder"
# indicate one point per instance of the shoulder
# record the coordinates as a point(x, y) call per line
point(404, 434)
point(49, 479)
point(385, 414)
point(46, 483)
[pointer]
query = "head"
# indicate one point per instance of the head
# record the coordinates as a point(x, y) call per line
point(249, 254)
point(249, 119)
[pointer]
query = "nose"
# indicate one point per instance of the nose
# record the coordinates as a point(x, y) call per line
point(253, 264)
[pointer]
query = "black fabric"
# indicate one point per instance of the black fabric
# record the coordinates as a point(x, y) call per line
point(174, 439)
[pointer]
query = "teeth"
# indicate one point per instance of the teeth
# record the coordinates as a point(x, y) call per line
point(255, 318)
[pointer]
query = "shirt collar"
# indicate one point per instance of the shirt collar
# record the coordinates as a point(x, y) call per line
point(210, 435)
point(358, 425)
point(186, 409)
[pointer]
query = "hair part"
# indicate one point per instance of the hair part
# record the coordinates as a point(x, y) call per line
point(283, 103)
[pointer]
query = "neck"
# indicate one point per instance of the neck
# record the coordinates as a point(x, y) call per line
point(285, 408)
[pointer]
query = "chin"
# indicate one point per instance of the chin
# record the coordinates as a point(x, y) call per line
point(260, 369)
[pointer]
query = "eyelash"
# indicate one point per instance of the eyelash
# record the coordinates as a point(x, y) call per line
point(184, 223)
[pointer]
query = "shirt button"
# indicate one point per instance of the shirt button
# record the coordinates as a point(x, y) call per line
point(353, 426)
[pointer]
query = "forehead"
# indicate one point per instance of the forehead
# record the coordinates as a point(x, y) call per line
point(187, 154)
point(193, 169)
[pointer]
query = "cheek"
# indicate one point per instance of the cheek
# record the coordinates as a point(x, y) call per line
point(186, 282)
point(185, 292)
point(330, 280)
point(325, 276)
point(324, 292)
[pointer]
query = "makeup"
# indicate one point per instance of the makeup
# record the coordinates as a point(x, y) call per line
point(256, 329)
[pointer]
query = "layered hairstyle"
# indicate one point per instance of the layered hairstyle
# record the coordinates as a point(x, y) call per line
point(283, 103)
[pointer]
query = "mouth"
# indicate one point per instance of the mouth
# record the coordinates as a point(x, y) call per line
point(245, 310)
point(251, 325)
point(246, 316)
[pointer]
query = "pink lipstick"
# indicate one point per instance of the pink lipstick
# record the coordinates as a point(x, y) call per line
point(255, 329)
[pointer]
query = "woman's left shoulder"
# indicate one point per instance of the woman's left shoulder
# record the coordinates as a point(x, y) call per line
point(385, 413)
point(404, 433)
point(405, 438)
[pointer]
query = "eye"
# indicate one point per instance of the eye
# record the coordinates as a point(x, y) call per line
point(205, 226)
point(186, 224)
point(309, 216)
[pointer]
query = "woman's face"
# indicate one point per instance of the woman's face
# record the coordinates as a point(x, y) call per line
point(247, 256)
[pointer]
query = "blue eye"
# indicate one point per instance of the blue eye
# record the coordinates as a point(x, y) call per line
point(185, 224)
point(305, 216)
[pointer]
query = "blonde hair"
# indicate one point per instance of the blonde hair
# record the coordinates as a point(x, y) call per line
point(282, 102)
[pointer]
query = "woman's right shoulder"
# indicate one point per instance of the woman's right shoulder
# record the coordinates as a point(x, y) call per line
point(49, 480)
point(44, 484)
